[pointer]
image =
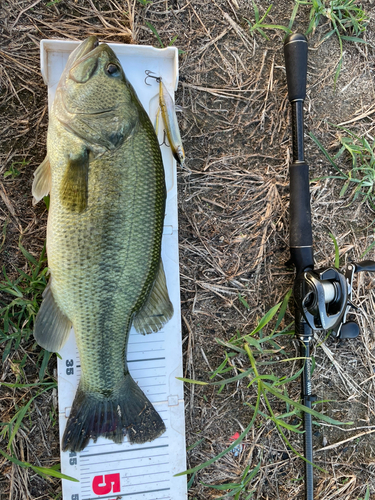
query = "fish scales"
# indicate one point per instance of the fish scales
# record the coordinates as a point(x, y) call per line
point(106, 278)
point(105, 224)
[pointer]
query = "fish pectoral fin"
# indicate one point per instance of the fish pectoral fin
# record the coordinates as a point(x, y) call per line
point(74, 187)
point(52, 327)
point(42, 181)
point(158, 308)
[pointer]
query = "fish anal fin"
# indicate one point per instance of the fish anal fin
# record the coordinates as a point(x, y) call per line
point(42, 181)
point(74, 186)
point(52, 327)
point(158, 309)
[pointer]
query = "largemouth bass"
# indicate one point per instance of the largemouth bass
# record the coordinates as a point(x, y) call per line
point(105, 177)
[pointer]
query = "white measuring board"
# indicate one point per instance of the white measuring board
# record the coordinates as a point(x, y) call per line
point(106, 470)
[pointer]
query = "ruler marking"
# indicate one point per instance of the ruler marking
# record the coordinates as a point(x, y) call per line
point(87, 453)
point(128, 494)
point(144, 483)
point(149, 359)
point(133, 370)
point(153, 474)
point(144, 351)
point(148, 342)
point(128, 468)
point(125, 451)
point(154, 385)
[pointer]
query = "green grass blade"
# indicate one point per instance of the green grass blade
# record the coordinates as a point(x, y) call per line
point(28, 255)
point(153, 29)
point(282, 311)
point(262, 33)
point(293, 17)
point(222, 487)
point(256, 12)
point(353, 39)
point(190, 381)
point(43, 366)
point(191, 481)
point(230, 448)
point(173, 40)
point(20, 415)
point(54, 473)
point(265, 320)
point(337, 252)
point(243, 301)
point(367, 496)
point(368, 249)
point(43, 471)
point(301, 407)
point(192, 446)
point(326, 154)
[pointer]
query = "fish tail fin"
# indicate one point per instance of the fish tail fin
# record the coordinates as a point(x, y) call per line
point(127, 412)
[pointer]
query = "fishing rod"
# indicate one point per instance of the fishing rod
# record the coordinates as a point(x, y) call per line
point(322, 297)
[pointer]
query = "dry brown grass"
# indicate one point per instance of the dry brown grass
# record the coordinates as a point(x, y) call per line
point(233, 212)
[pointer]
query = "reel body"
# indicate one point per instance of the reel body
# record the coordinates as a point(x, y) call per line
point(324, 297)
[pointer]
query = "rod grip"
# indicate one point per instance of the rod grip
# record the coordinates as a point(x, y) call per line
point(295, 52)
point(300, 211)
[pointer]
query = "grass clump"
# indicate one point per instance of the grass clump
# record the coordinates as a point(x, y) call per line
point(259, 352)
point(348, 21)
point(19, 304)
point(14, 169)
point(362, 172)
point(25, 292)
point(239, 490)
point(259, 25)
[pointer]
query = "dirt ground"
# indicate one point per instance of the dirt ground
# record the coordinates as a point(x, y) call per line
point(234, 229)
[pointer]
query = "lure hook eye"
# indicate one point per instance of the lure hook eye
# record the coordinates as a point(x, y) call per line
point(150, 74)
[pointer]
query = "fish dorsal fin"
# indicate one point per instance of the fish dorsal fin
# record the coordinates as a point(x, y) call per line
point(158, 308)
point(52, 327)
point(42, 181)
point(74, 187)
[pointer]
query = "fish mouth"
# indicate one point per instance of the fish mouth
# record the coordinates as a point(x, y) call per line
point(87, 49)
point(89, 52)
point(84, 48)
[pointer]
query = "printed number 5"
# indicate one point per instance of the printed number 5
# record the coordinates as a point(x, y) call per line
point(110, 483)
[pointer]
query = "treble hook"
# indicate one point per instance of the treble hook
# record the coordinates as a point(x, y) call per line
point(150, 74)
point(164, 143)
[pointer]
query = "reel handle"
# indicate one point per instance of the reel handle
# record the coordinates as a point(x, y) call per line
point(365, 265)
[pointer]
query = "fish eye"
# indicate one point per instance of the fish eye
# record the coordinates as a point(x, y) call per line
point(112, 69)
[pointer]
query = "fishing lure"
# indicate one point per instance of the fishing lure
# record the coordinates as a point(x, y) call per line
point(168, 114)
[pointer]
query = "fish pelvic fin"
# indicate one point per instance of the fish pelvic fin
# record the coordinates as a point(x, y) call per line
point(42, 181)
point(52, 327)
point(126, 412)
point(158, 309)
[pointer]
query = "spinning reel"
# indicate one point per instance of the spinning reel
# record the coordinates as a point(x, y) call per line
point(324, 297)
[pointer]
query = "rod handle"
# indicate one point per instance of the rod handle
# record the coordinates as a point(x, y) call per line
point(295, 52)
point(300, 211)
